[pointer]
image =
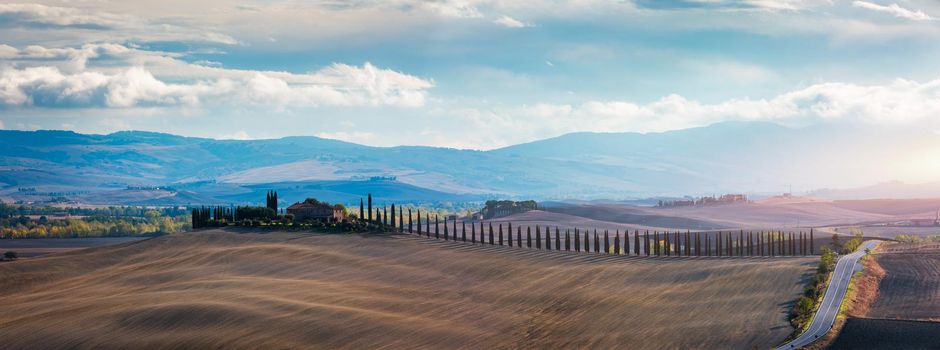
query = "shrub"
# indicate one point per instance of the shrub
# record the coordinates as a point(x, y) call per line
point(10, 255)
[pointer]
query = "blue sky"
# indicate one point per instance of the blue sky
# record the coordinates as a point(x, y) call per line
point(474, 74)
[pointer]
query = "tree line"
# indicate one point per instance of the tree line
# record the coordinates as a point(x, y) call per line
point(677, 243)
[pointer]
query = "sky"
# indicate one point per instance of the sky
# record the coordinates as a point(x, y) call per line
point(474, 74)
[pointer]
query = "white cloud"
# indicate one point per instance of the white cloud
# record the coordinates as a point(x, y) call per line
point(68, 77)
point(354, 136)
point(510, 22)
point(81, 24)
point(7, 51)
point(238, 135)
point(895, 10)
point(901, 102)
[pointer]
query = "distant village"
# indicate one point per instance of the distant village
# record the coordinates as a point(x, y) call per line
point(703, 201)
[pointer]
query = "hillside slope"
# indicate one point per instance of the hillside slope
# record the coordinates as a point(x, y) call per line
point(222, 290)
point(727, 157)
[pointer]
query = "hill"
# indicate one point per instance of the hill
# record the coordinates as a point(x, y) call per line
point(727, 157)
point(216, 289)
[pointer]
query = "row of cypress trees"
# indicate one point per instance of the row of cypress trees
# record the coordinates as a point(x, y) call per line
point(271, 200)
point(211, 216)
point(720, 244)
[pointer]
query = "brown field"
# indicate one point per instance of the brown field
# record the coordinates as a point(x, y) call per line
point(225, 290)
point(35, 247)
point(863, 333)
point(760, 215)
point(910, 288)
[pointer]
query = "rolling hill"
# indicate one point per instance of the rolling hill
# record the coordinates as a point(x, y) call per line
point(217, 289)
point(729, 157)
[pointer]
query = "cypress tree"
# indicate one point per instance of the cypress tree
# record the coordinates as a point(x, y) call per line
point(548, 238)
point(557, 239)
point(646, 242)
point(491, 233)
point(567, 240)
point(577, 241)
point(606, 243)
point(473, 233)
point(427, 223)
point(617, 242)
point(447, 234)
point(656, 242)
point(538, 237)
point(812, 250)
point(462, 235)
point(410, 218)
point(436, 226)
point(636, 243)
point(597, 243)
point(393, 217)
point(370, 208)
point(528, 237)
point(519, 236)
point(510, 234)
point(667, 243)
point(362, 211)
point(587, 241)
point(417, 217)
point(401, 220)
point(500, 234)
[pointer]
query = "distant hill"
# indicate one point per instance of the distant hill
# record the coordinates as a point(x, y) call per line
point(726, 157)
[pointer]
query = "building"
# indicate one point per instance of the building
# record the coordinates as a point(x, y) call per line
point(316, 211)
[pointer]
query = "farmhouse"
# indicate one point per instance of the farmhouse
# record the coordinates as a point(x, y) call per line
point(316, 211)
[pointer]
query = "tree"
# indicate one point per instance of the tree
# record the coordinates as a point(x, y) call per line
point(491, 233)
point(528, 237)
point(538, 237)
point(509, 231)
point(617, 242)
point(10, 255)
point(362, 212)
point(519, 235)
point(370, 212)
point(606, 243)
point(587, 241)
point(473, 233)
point(557, 239)
point(500, 234)
point(811, 248)
point(567, 239)
point(577, 241)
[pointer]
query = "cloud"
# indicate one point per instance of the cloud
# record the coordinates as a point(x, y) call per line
point(895, 10)
point(238, 135)
point(900, 102)
point(79, 22)
point(510, 22)
point(354, 136)
point(113, 76)
point(40, 16)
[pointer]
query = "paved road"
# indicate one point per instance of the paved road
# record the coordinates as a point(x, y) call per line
point(832, 300)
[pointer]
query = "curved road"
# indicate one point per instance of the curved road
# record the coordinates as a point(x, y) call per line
point(832, 300)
